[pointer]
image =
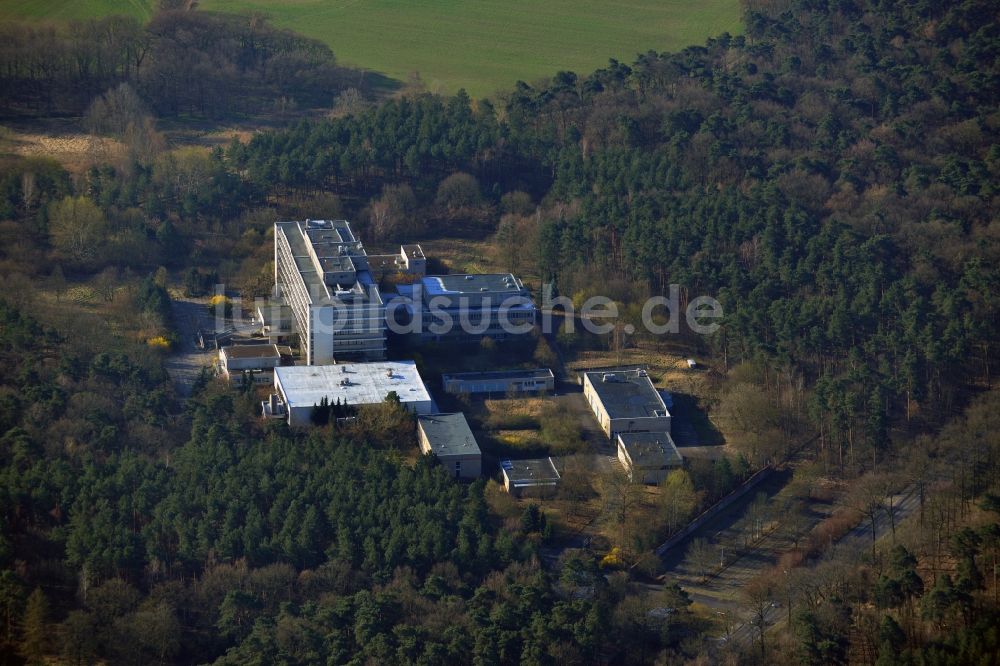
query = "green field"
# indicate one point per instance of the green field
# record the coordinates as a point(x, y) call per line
point(74, 9)
point(479, 45)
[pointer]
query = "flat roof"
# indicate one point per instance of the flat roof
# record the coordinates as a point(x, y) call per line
point(327, 238)
point(651, 449)
point(413, 250)
point(533, 373)
point(384, 261)
point(532, 472)
point(351, 383)
point(435, 285)
point(275, 314)
point(448, 434)
point(251, 351)
point(627, 394)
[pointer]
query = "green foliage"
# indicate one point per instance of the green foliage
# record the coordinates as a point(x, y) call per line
point(822, 640)
point(173, 61)
point(34, 630)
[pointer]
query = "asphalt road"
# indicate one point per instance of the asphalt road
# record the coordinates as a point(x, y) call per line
point(186, 362)
point(859, 540)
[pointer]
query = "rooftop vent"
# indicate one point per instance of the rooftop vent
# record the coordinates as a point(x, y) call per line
point(608, 377)
point(468, 277)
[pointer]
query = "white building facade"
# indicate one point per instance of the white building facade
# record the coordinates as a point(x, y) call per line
point(321, 273)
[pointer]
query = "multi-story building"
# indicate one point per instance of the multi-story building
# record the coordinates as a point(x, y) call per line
point(321, 273)
point(468, 307)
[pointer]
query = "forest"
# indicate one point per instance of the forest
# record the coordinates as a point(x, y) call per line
point(830, 176)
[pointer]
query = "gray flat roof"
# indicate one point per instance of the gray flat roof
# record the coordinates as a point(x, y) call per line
point(275, 314)
point(534, 373)
point(651, 449)
point(251, 351)
point(533, 472)
point(627, 394)
point(325, 236)
point(448, 434)
point(351, 383)
point(471, 284)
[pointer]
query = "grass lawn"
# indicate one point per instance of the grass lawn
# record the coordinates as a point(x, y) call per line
point(482, 46)
point(66, 10)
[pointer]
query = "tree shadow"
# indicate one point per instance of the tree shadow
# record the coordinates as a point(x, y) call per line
point(691, 425)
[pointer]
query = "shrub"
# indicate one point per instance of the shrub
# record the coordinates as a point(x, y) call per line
point(158, 342)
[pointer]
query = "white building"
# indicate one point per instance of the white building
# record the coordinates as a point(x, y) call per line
point(321, 272)
point(238, 362)
point(648, 456)
point(500, 381)
point(409, 261)
point(625, 401)
point(300, 388)
point(449, 437)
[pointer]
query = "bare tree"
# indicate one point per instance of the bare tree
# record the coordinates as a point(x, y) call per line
point(28, 190)
point(115, 111)
point(868, 497)
point(349, 102)
point(677, 499)
point(619, 498)
point(57, 282)
point(701, 557)
point(757, 597)
point(78, 229)
point(106, 283)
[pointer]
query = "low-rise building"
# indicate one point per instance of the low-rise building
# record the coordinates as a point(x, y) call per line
point(500, 381)
point(648, 456)
point(449, 437)
point(530, 478)
point(625, 401)
point(464, 308)
point(240, 363)
point(300, 388)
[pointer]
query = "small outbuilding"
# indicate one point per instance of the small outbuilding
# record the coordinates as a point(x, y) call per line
point(237, 363)
point(530, 478)
point(648, 456)
point(449, 437)
point(500, 381)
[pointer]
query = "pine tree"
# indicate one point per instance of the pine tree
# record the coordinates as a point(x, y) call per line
point(34, 635)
